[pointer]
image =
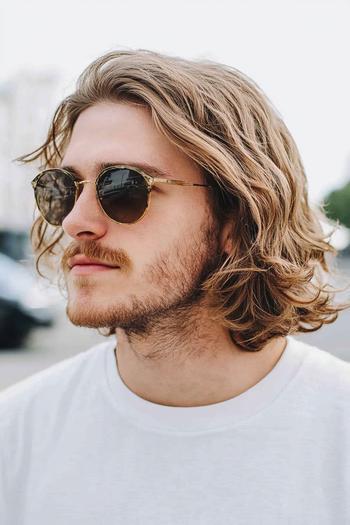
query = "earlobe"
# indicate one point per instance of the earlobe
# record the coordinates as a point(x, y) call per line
point(226, 239)
point(228, 246)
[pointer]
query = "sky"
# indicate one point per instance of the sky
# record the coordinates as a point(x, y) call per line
point(296, 50)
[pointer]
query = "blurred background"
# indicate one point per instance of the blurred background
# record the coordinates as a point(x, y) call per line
point(296, 50)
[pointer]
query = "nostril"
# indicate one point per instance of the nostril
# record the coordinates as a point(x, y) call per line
point(86, 234)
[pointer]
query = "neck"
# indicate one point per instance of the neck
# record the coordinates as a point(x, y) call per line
point(191, 364)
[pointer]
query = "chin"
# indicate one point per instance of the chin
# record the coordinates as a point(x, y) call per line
point(87, 313)
point(92, 311)
point(89, 320)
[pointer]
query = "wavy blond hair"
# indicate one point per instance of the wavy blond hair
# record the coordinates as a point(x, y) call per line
point(274, 281)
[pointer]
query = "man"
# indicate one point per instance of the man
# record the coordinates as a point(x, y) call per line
point(182, 201)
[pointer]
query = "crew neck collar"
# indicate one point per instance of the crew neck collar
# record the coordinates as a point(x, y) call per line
point(217, 416)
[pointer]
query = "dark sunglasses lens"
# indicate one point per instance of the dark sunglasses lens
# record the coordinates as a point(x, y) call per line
point(55, 196)
point(123, 194)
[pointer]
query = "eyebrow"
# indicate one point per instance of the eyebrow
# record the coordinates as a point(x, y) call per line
point(100, 166)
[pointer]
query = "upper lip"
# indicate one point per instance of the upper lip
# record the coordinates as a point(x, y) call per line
point(81, 259)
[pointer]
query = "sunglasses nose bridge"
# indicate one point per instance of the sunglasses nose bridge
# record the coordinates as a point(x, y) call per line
point(79, 185)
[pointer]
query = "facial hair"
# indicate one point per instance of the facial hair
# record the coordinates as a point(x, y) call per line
point(174, 281)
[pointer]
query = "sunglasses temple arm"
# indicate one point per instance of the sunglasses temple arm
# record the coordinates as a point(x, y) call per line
point(177, 182)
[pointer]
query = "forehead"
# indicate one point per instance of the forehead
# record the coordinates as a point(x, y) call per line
point(122, 133)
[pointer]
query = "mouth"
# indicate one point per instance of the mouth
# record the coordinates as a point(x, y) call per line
point(84, 269)
point(82, 265)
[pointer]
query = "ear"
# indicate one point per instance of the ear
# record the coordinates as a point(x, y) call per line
point(226, 241)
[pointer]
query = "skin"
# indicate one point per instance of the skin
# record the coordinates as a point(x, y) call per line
point(170, 351)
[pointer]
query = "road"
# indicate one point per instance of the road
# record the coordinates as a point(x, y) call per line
point(47, 346)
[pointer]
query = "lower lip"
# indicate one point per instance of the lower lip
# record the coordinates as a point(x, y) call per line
point(83, 269)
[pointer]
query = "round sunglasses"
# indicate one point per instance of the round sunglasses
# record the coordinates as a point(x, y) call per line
point(123, 192)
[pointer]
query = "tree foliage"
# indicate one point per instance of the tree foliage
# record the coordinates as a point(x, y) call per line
point(337, 205)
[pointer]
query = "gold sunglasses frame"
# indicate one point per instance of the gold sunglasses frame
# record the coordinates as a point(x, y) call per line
point(150, 181)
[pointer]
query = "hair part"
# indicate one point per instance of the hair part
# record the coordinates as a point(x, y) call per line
point(273, 283)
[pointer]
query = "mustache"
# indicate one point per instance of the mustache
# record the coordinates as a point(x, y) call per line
point(95, 251)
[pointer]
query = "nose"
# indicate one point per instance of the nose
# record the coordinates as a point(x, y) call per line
point(86, 220)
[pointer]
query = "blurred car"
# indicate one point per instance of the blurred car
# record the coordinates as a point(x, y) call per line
point(24, 305)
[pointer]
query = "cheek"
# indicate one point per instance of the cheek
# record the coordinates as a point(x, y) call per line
point(166, 223)
point(160, 223)
point(180, 206)
point(143, 241)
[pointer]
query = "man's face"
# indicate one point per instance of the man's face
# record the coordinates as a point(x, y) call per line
point(165, 256)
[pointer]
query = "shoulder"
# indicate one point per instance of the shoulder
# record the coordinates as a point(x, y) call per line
point(323, 374)
point(34, 411)
point(43, 390)
point(328, 365)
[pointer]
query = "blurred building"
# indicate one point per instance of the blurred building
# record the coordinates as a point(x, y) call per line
point(27, 104)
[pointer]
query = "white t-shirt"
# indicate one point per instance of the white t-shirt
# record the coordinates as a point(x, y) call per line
point(78, 447)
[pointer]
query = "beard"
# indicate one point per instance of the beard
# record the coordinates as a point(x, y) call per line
point(173, 282)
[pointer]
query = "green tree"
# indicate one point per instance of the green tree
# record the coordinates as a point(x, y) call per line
point(337, 204)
